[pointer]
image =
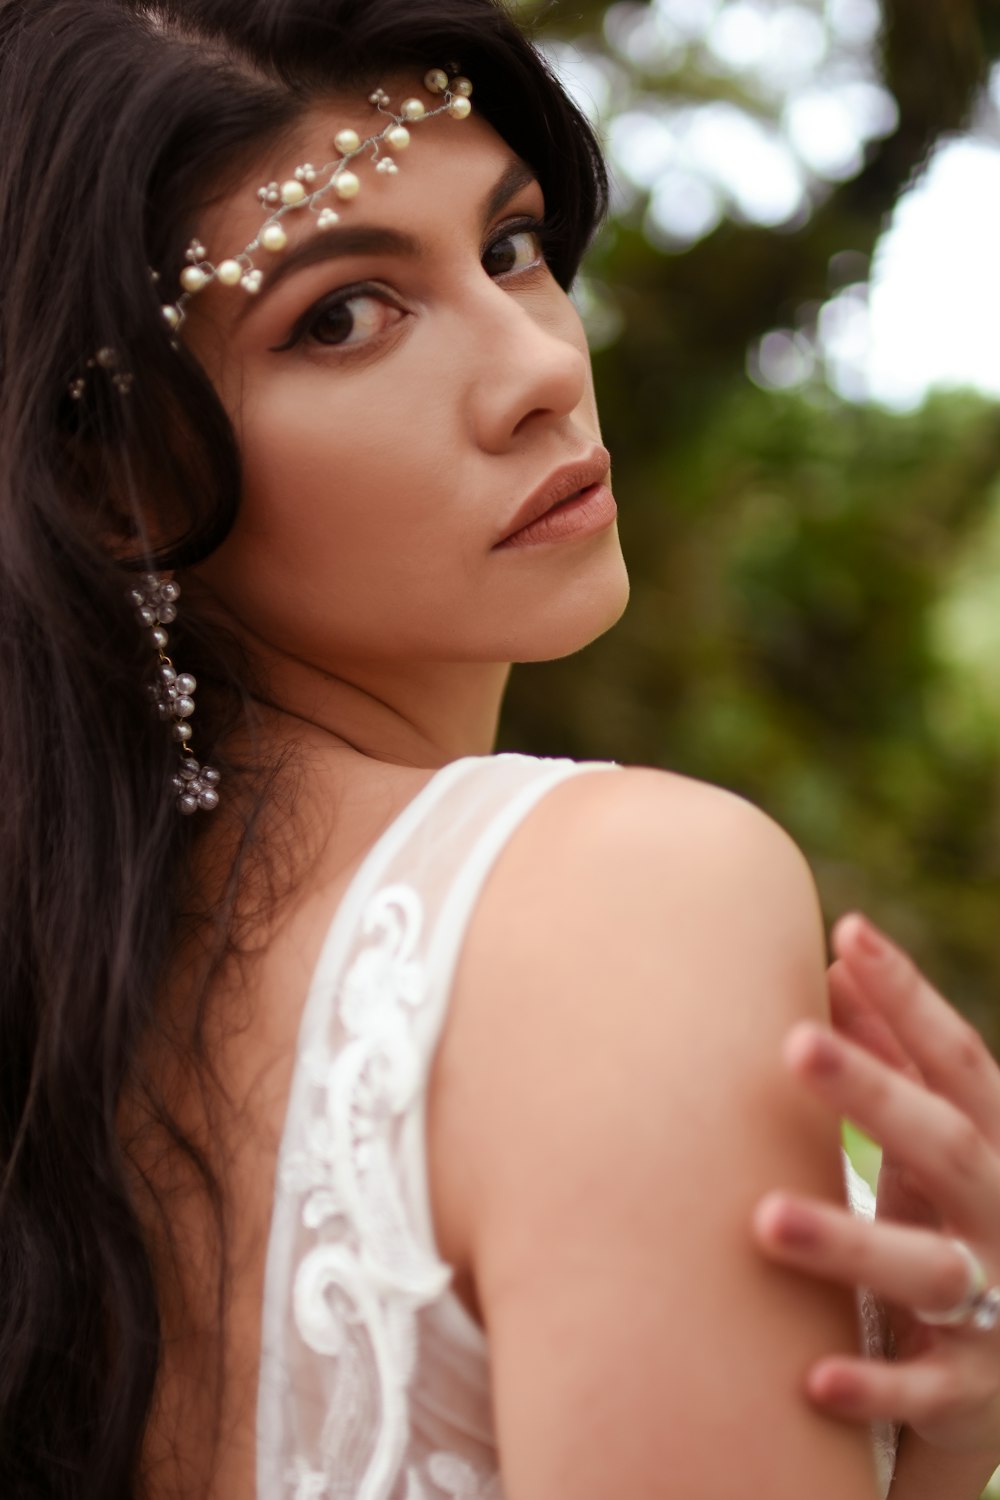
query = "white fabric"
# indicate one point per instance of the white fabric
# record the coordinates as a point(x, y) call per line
point(874, 1330)
point(374, 1380)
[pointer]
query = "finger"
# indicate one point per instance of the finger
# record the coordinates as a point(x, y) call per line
point(920, 1393)
point(902, 1199)
point(855, 1017)
point(950, 1053)
point(914, 1268)
point(949, 1157)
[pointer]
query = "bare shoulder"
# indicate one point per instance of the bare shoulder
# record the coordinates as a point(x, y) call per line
point(634, 916)
point(637, 823)
point(633, 866)
point(607, 1105)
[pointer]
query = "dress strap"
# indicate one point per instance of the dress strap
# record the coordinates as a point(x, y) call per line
point(351, 1255)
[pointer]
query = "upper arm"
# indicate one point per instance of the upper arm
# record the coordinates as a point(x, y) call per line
point(611, 1070)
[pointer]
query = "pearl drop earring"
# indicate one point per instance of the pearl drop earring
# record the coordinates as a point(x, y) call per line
point(154, 600)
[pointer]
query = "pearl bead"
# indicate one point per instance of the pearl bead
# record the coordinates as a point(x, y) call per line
point(189, 768)
point(460, 108)
point(182, 733)
point(187, 804)
point(186, 684)
point(193, 279)
point(208, 799)
point(230, 273)
point(398, 137)
point(172, 317)
point(347, 185)
point(136, 597)
point(292, 192)
point(146, 617)
point(160, 638)
point(106, 358)
point(210, 776)
point(252, 282)
point(412, 109)
point(347, 141)
point(166, 614)
point(461, 86)
point(387, 165)
point(327, 219)
point(170, 591)
point(273, 237)
point(184, 707)
point(436, 81)
point(167, 674)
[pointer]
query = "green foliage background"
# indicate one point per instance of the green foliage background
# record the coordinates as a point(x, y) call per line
point(815, 620)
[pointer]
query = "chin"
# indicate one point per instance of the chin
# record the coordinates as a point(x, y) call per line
point(581, 613)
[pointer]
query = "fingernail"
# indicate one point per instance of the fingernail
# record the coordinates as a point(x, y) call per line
point(814, 1049)
point(870, 940)
point(831, 1385)
point(795, 1225)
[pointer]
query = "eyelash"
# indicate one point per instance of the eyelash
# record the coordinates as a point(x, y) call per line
point(367, 291)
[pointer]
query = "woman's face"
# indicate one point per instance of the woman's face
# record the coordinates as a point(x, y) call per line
point(397, 400)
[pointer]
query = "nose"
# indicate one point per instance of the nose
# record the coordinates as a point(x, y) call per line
point(531, 364)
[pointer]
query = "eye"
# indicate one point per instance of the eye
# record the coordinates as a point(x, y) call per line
point(350, 317)
point(517, 250)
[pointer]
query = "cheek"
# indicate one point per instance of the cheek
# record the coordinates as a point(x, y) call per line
point(323, 462)
point(344, 511)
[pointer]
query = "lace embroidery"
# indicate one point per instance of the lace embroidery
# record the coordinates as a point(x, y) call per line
point(339, 1416)
point(452, 1477)
point(357, 1289)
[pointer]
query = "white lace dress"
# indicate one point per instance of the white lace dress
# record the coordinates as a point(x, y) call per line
point(374, 1380)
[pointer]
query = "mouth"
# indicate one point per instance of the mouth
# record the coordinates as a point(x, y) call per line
point(567, 487)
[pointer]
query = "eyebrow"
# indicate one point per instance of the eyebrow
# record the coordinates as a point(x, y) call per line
point(371, 239)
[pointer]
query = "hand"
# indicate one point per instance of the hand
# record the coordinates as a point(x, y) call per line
point(905, 1067)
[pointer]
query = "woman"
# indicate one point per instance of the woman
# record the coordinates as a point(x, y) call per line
point(364, 1114)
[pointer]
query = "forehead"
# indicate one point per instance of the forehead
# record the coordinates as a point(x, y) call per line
point(447, 163)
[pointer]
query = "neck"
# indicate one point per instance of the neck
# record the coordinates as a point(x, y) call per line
point(418, 713)
point(415, 714)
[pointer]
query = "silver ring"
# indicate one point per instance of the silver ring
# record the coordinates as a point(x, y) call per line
point(978, 1309)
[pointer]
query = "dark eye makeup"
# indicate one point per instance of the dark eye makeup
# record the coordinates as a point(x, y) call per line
point(354, 315)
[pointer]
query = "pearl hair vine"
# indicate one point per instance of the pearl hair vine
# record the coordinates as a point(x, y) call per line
point(300, 191)
point(107, 360)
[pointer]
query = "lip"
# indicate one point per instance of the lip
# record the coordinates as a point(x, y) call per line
point(567, 480)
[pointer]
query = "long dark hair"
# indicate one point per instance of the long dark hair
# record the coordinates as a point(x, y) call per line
point(119, 119)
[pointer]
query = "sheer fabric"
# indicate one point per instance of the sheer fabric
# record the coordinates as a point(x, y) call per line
point(374, 1380)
